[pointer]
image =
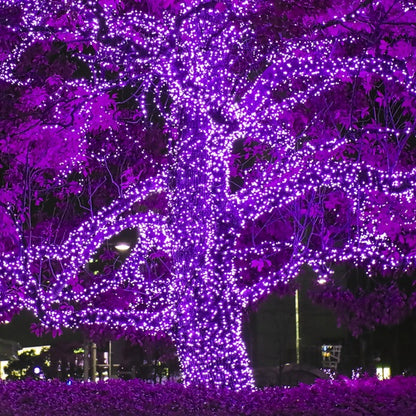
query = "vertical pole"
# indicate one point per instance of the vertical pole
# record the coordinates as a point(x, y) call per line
point(297, 326)
point(109, 359)
point(86, 371)
point(94, 361)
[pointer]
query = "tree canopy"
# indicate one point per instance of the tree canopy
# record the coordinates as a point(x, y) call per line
point(235, 142)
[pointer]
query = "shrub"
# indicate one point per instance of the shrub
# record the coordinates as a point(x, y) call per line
point(342, 397)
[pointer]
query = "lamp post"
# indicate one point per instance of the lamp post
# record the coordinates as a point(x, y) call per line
point(297, 326)
point(109, 359)
point(86, 360)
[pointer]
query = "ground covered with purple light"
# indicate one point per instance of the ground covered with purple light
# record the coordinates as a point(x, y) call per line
point(367, 396)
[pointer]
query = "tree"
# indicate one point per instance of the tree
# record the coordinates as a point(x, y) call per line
point(56, 361)
point(28, 364)
point(240, 140)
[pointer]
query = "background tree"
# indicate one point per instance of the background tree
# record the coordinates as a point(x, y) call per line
point(239, 141)
point(149, 358)
point(28, 364)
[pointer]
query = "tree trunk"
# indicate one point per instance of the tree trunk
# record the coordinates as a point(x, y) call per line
point(211, 349)
point(208, 333)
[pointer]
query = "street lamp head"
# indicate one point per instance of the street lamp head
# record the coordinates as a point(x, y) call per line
point(122, 246)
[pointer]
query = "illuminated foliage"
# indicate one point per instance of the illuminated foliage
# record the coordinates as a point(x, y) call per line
point(239, 141)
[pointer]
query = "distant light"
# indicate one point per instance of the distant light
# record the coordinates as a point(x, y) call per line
point(37, 370)
point(122, 246)
point(322, 281)
point(383, 373)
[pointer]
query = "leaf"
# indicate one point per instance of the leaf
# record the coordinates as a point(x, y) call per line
point(401, 49)
point(260, 264)
point(381, 99)
point(77, 288)
point(158, 254)
point(221, 7)
point(37, 329)
point(56, 332)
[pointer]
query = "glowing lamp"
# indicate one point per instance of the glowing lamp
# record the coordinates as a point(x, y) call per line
point(122, 246)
